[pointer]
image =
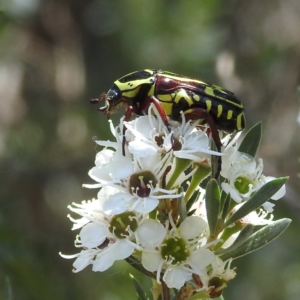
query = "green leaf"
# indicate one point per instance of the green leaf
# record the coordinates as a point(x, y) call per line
point(138, 288)
point(192, 200)
point(181, 164)
point(251, 140)
point(226, 205)
point(242, 237)
point(260, 197)
point(259, 239)
point(201, 172)
point(212, 202)
point(8, 288)
point(182, 206)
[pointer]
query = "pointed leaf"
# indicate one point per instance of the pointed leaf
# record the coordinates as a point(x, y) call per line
point(192, 200)
point(259, 239)
point(226, 205)
point(260, 197)
point(252, 139)
point(182, 206)
point(242, 237)
point(8, 288)
point(201, 171)
point(213, 202)
point(191, 212)
point(138, 288)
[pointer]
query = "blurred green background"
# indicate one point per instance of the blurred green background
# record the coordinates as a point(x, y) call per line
point(57, 54)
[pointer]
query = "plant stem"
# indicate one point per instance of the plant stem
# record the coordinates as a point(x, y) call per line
point(165, 291)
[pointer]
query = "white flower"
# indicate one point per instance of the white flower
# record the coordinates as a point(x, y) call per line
point(104, 239)
point(178, 253)
point(139, 210)
point(146, 135)
point(141, 191)
point(107, 170)
point(230, 153)
point(244, 176)
point(222, 269)
point(194, 143)
point(260, 217)
point(135, 181)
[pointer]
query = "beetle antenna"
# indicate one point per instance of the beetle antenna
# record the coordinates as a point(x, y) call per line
point(97, 100)
point(94, 100)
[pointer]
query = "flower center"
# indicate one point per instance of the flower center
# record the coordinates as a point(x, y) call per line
point(159, 139)
point(174, 250)
point(217, 284)
point(242, 184)
point(140, 183)
point(123, 224)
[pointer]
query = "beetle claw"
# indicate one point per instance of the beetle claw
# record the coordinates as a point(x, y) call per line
point(103, 108)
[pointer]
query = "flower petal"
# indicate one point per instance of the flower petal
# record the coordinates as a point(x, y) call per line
point(200, 259)
point(141, 149)
point(93, 235)
point(151, 234)
point(175, 277)
point(192, 227)
point(117, 203)
point(83, 260)
point(151, 260)
point(116, 251)
point(145, 205)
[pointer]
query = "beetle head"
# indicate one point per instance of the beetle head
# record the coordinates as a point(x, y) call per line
point(127, 90)
point(113, 99)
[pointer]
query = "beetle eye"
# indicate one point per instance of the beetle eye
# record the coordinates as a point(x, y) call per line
point(113, 93)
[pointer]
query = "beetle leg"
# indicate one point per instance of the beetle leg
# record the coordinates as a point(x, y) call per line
point(128, 113)
point(163, 116)
point(200, 113)
point(161, 112)
point(160, 109)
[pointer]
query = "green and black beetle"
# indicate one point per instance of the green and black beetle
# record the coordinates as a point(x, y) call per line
point(172, 93)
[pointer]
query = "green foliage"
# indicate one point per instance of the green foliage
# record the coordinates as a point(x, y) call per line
point(242, 237)
point(252, 140)
point(258, 239)
point(182, 206)
point(260, 197)
point(213, 203)
point(141, 295)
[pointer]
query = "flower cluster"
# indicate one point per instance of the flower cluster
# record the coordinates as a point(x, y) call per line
point(152, 206)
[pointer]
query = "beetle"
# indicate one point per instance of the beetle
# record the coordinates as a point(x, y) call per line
point(172, 94)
